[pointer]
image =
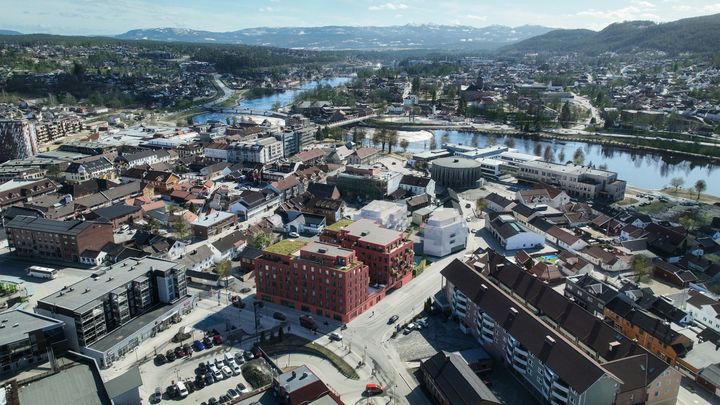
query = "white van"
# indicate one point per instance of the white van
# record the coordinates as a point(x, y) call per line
point(181, 389)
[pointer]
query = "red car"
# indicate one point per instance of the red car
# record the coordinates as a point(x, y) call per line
point(217, 340)
point(374, 389)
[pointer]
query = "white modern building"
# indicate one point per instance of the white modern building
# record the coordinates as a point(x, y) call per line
point(446, 232)
point(578, 181)
point(510, 234)
point(490, 167)
point(386, 214)
point(265, 150)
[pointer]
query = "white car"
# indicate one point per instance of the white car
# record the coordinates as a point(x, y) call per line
point(181, 389)
point(335, 336)
point(239, 359)
point(227, 372)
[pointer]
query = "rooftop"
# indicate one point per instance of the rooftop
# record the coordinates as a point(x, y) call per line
point(297, 379)
point(16, 324)
point(456, 162)
point(341, 224)
point(286, 247)
point(103, 281)
point(213, 218)
point(569, 168)
point(76, 383)
point(369, 231)
point(48, 225)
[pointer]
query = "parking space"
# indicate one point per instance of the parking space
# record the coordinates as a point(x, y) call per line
point(440, 334)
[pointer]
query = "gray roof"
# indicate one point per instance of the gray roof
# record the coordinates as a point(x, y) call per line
point(90, 289)
point(370, 232)
point(26, 322)
point(49, 225)
point(124, 383)
point(456, 163)
point(294, 380)
point(116, 211)
point(456, 380)
point(76, 385)
point(711, 374)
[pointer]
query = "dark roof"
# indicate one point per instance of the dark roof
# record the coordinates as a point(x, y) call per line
point(456, 380)
point(523, 210)
point(588, 329)
point(711, 374)
point(636, 316)
point(541, 224)
point(572, 365)
point(251, 253)
point(101, 163)
point(415, 181)
point(115, 211)
point(227, 242)
point(418, 200)
point(123, 383)
point(321, 190)
point(498, 199)
point(49, 225)
point(631, 371)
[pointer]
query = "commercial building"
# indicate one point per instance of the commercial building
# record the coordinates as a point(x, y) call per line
point(18, 140)
point(213, 224)
point(456, 172)
point(314, 277)
point(48, 239)
point(564, 353)
point(265, 150)
point(386, 252)
point(14, 192)
point(577, 181)
point(95, 168)
point(367, 182)
point(125, 301)
point(301, 386)
point(386, 214)
point(26, 338)
point(491, 168)
point(446, 232)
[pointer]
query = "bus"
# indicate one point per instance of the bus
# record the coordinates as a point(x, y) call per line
point(42, 272)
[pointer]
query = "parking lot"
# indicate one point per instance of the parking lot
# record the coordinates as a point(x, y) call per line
point(424, 343)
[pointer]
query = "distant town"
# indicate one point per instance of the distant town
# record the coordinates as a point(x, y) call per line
point(221, 224)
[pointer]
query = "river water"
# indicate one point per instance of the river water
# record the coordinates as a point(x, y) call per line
point(266, 103)
point(641, 169)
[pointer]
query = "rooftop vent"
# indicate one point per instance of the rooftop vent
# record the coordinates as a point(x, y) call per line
point(550, 339)
point(513, 311)
point(484, 287)
point(613, 345)
point(363, 233)
point(16, 325)
point(456, 160)
point(304, 374)
point(321, 250)
point(2, 326)
point(87, 290)
point(3, 321)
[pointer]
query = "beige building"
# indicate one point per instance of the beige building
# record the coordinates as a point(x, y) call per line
point(577, 181)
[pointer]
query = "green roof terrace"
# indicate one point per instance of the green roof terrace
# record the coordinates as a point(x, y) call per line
point(339, 225)
point(286, 247)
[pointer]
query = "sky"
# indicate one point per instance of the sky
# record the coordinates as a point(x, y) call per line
point(110, 17)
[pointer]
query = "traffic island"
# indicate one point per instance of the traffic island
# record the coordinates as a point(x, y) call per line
point(296, 344)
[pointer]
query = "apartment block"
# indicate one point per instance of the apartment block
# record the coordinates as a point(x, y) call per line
point(386, 252)
point(566, 354)
point(323, 279)
point(18, 140)
point(110, 299)
point(265, 150)
point(577, 181)
point(48, 239)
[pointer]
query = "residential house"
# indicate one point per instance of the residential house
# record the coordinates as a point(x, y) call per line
point(510, 234)
point(363, 156)
point(451, 381)
point(213, 223)
point(250, 204)
point(92, 168)
point(417, 185)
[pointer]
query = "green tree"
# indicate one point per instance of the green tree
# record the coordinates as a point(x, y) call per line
point(579, 157)
point(480, 205)
point(445, 139)
point(358, 135)
point(548, 154)
point(415, 84)
point(223, 270)
point(153, 224)
point(561, 157)
point(565, 114)
point(433, 143)
point(381, 137)
point(68, 99)
point(537, 150)
point(404, 144)
point(700, 186)
point(677, 182)
point(474, 141)
point(392, 139)
point(491, 141)
point(641, 267)
point(510, 142)
point(181, 228)
point(261, 240)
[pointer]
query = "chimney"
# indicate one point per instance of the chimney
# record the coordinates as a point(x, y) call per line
point(613, 345)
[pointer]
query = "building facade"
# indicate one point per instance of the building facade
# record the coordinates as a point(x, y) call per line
point(18, 140)
point(47, 239)
point(386, 252)
point(26, 338)
point(319, 278)
point(445, 232)
point(265, 150)
point(112, 297)
point(577, 181)
point(456, 172)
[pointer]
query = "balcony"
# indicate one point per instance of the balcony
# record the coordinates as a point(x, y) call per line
point(560, 387)
point(559, 396)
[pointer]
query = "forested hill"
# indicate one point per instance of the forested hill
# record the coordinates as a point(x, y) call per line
point(697, 34)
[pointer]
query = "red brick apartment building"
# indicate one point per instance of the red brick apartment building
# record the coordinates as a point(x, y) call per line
point(386, 252)
point(323, 279)
point(49, 239)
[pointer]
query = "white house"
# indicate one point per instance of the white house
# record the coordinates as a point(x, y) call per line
point(227, 247)
point(704, 309)
point(510, 234)
point(92, 257)
point(199, 259)
point(446, 232)
point(565, 239)
point(417, 185)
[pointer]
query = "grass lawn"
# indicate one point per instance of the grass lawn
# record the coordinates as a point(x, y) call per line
point(627, 201)
point(655, 207)
point(691, 194)
point(286, 247)
point(297, 344)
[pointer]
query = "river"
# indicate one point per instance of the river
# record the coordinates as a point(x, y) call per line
point(641, 169)
point(282, 98)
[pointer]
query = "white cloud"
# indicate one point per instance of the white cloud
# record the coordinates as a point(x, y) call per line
point(265, 9)
point(388, 6)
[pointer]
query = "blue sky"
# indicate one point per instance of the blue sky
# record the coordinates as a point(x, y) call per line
point(107, 17)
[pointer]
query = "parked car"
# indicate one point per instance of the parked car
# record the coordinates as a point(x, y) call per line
point(190, 386)
point(227, 372)
point(306, 321)
point(171, 391)
point(199, 346)
point(187, 349)
point(374, 389)
point(294, 235)
point(232, 393)
point(160, 360)
point(157, 395)
point(239, 359)
point(202, 368)
point(245, 290)
point(207, 342)
point(209, 379)
point(224, 398)
point(393, 319)
point(248, 355)
point(241, 388)
point(335, 336)
point(422, 322)
point(212, 401)
point(217, 340)
point(200, 381)
point(218, 375)
point(409, 328)
point(239, 304)
point(279, 316)
point(170, 356)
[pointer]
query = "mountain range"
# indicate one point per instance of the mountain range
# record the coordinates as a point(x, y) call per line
point(697, 34)
point(425, 36)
